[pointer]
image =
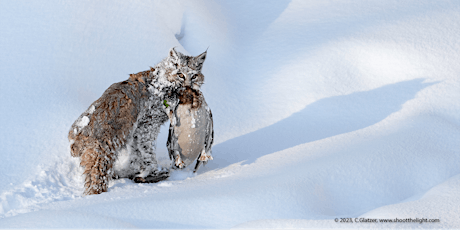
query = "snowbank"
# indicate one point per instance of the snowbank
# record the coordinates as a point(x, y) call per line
point(322, 110)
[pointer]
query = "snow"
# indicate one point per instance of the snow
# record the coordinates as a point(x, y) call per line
point(193, 120)
point(83, 122)
point(322, 110)
point(91, 109)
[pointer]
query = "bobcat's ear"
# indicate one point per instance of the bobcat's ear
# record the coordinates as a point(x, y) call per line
point(174, 55)
point(199, 60)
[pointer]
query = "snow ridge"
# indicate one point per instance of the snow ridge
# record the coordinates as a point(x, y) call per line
point(322, 110)
point(62, 181)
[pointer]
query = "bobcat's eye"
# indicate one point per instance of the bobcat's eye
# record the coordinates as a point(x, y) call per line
point(193, 76)
point(181, 75)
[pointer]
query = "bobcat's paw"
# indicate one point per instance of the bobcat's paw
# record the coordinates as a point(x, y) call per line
point(153, 177)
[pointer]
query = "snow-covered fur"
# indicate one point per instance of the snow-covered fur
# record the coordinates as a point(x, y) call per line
point(191, 130)
point(126, 120)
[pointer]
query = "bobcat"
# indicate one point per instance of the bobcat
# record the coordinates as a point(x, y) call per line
point(126, 121)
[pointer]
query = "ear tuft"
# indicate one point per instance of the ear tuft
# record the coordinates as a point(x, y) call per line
point(200, 59)
point(174, 54)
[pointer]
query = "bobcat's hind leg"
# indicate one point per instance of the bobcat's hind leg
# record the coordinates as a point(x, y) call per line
point(98, 169)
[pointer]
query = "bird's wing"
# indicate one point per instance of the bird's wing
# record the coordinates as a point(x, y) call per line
point(209, 136)
point(171, 144)
point(209, 139)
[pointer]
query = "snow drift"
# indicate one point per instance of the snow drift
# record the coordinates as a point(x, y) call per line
point(322, 110)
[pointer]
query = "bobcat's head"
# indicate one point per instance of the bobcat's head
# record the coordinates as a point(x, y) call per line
point(185, 71)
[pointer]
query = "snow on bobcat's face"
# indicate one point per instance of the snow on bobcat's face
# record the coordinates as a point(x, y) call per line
point(185, 71)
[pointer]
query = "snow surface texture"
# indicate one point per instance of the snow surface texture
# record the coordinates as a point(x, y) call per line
point(322, 110)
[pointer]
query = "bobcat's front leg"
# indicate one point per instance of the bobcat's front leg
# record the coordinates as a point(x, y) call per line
point(146, 135)
point(145, 161)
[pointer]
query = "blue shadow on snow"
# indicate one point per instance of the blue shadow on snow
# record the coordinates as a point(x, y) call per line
point(322, 119)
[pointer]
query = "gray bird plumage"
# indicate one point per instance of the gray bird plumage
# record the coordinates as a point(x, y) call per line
point(191, 132)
